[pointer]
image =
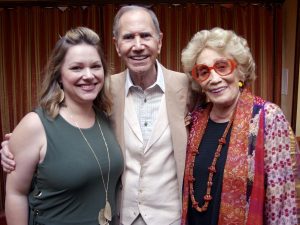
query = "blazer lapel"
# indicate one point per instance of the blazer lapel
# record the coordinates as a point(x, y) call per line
point(117, 88)
point(176, 102)
point(160, 124)
point(132, 119)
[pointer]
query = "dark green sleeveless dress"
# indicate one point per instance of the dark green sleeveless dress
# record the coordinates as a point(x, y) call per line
point(67, 187)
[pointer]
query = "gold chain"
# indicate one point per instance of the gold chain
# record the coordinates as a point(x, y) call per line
point(95, 156)
point(104, 216)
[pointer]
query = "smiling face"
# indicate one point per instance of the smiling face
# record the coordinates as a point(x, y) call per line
point(82, 74)
point(223, 91)
point(138, 43)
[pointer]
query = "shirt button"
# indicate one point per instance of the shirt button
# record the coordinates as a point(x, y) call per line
point(145, 124)
point(145, 100)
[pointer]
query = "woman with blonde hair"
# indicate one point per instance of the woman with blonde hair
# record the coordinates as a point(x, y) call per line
point(68, 160)
point(239, 167)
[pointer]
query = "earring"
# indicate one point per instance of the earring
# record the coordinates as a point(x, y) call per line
point(61, 96)
point(61, 93)
point(241, 85)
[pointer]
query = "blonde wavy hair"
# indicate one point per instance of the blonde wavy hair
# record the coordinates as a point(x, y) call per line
point(222, 41)
point(51, 92)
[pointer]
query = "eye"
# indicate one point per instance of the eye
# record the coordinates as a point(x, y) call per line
point(128, 37)
point(222, 66)
point(96, 66)
point(202, 71)
point(75, 68)
point(145, 35)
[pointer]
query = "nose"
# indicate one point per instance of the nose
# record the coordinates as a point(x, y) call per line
point(88, 74)
point(138, 44)
point(214, 76)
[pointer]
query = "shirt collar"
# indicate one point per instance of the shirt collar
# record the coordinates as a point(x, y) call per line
point(159, 80)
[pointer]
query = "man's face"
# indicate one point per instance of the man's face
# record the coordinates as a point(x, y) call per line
point(138, 43)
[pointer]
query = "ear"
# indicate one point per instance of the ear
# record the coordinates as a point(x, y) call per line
point(117, 46)
point(160, 42)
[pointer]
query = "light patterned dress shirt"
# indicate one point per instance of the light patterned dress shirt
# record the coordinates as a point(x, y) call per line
point(146, 102)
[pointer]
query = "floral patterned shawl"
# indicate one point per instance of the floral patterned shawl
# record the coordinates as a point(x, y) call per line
point(259, 175)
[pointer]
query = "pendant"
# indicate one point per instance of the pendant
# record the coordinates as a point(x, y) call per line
point(104, 216)
point(107, 211)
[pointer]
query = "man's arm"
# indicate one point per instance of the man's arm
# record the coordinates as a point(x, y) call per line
point(7, 158)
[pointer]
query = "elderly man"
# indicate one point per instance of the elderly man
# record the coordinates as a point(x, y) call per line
point(150, 104)
point(148, 118)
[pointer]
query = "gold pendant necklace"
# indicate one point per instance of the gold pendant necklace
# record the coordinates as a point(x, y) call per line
point(104, 216)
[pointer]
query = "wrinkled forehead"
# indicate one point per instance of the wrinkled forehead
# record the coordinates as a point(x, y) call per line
point(209, 56)
point(135, 22)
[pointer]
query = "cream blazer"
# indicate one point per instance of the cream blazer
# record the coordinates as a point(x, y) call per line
point(177, 100)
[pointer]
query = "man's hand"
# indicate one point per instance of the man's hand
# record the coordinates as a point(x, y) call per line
point(7, 158)
point(188, 119)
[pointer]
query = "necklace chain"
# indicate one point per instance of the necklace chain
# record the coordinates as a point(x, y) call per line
point(104, 216)
point(212, 170)
point(96, 158)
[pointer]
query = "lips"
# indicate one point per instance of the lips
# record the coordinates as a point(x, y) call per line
point(139, 57)
point(217, 90)
point(87, 87)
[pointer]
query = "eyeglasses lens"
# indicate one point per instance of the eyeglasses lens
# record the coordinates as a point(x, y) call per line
point(222, 67)
point(202, 72)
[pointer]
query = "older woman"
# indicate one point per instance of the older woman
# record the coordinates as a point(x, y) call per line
point(239, 167)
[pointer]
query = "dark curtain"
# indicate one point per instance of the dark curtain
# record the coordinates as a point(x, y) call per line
point(27, 35)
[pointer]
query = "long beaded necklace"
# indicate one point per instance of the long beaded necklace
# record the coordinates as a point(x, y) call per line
point(104, 216)
point(212, 170)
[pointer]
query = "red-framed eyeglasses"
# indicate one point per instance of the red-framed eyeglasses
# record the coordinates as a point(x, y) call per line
point(223, 67)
